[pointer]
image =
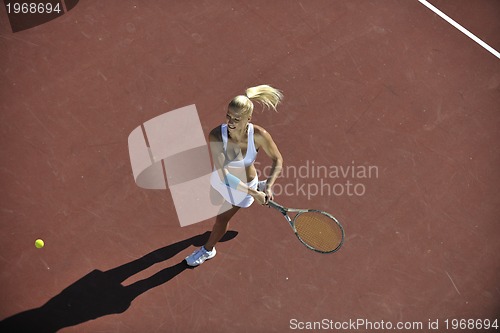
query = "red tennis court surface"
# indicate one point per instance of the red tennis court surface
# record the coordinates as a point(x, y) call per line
point(381, 84)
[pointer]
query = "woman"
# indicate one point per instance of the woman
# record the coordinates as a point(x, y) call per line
point(234, 146)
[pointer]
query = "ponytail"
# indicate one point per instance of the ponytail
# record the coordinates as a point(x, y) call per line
point(264, 94)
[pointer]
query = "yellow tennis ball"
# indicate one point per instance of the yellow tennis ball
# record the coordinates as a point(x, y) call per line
point(39, 243)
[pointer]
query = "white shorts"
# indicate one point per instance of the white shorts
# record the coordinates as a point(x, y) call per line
point(234, 197)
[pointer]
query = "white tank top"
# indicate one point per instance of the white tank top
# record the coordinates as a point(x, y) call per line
point(251, 153)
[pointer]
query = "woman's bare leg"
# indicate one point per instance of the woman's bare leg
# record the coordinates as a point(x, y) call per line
point(220, 227)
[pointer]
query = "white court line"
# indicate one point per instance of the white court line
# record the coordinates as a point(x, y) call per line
point(459, 27)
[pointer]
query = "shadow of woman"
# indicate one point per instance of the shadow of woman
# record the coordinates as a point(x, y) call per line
point(101, 293)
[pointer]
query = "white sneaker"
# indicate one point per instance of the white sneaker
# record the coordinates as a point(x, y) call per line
point(199, 256)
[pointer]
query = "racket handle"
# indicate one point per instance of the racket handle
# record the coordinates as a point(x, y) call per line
point(277, 206)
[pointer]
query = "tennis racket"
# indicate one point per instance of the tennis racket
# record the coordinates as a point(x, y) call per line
point(316, 229)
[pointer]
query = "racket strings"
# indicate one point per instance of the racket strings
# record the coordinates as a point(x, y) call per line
point(318, 231)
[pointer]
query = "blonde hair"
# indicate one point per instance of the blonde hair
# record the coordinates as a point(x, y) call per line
point(264, 94)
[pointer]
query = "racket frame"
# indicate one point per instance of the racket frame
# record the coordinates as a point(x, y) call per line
point(284, 210)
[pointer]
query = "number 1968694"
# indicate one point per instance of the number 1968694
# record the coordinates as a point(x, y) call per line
point(33, 8)
point(471, 324)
